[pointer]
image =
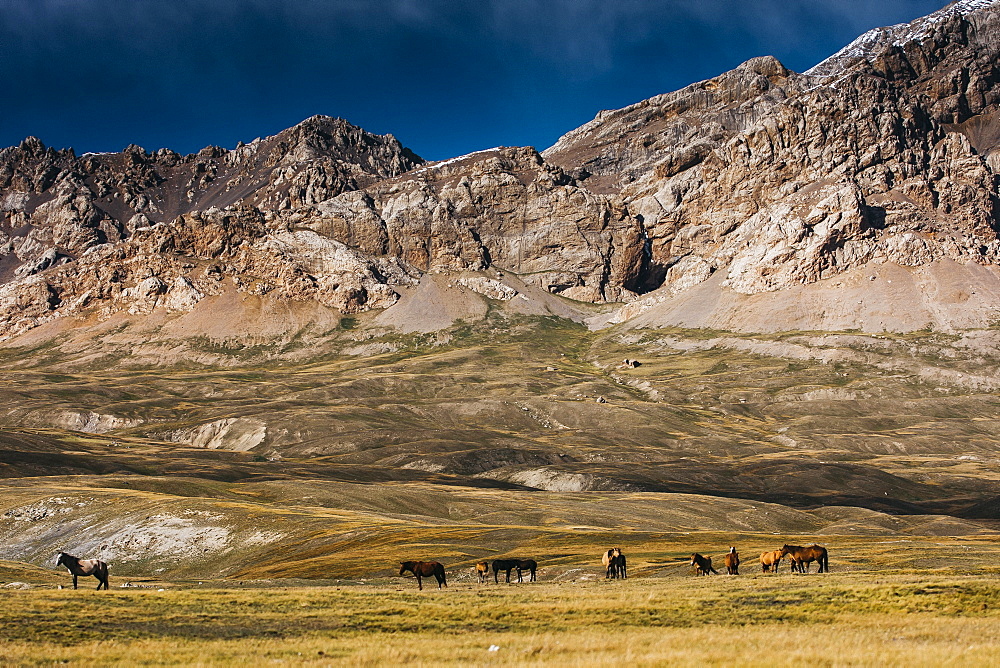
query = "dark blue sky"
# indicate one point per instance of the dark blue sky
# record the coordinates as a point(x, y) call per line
point(445, 76)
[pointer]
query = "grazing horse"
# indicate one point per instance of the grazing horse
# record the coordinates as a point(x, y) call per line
point(507, 565)
point(614, 561)
point(801, 557)
point(732, 561)
point(702, 565)
point(79, 567)
point(769, 560)
point(482, 570)
point(424, 569)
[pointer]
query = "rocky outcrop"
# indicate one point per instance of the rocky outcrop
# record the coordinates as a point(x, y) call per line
point(133, 231)
point(323, 211)
point(881, 154)
point(503, 208)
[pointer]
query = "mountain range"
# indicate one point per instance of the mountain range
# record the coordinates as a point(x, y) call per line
point(861, 194)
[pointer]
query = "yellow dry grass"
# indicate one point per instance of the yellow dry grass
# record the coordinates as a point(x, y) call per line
point(833, 620)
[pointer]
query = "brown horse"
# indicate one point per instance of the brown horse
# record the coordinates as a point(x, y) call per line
point(482, 570)
point(702, 565)
point(620, 565)
point(615, 563)
point(79, 567)
point(770, 560)
point(507, 565)
point(732, 561)
point(801, 557)
point(424, 569)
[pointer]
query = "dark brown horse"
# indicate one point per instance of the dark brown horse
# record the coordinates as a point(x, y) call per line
point(702, 565)
point(482, 570)
point(770, 560)
point(507, 565)
point(79, 567)
point(801, 557)
point(424, 569)
point(732, 561)
point(620, 565)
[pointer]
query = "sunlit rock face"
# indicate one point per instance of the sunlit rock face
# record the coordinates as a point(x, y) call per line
point(760, 180)
point(886, 152)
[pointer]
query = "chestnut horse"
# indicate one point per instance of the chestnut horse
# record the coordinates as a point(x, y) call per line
point(615, 562)
point(801, 557)
point(79, 567)
point(732, 561)
point(424, 569)
point(482, 570)
point(769, 560)
point(702, 565)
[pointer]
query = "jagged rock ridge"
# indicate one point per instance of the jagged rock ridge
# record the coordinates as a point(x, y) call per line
point(757, 181)
point(885, 154)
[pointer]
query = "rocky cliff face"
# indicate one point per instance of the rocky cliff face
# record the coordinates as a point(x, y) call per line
point(756, 181)
point(323, 212)
point(135, 230)
point(503, 208)
point(886, 152)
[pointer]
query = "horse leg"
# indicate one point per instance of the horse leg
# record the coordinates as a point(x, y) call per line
point(533, 578)
point(74, 580)
point(420, 586)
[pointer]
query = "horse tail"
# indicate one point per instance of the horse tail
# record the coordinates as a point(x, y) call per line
point(824, 561)
point(101, 572)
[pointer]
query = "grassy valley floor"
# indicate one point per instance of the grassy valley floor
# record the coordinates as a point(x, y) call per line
point(856, 619)
point(259, 502)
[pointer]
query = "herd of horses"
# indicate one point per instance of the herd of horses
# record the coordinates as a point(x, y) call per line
point(799, 558)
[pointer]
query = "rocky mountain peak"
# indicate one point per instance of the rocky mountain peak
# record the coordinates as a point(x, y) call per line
point(759, 181)
point(938, 26)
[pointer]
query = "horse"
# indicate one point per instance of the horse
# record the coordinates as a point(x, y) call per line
point(507, 565)
point(482, 570)
point(79, 567)
point(769, 560)
point(424, 569)
point(732, 561)
point(702, 565)
point(801, 557)
point(614, 561)
point(529, 565)
point(619, 565)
